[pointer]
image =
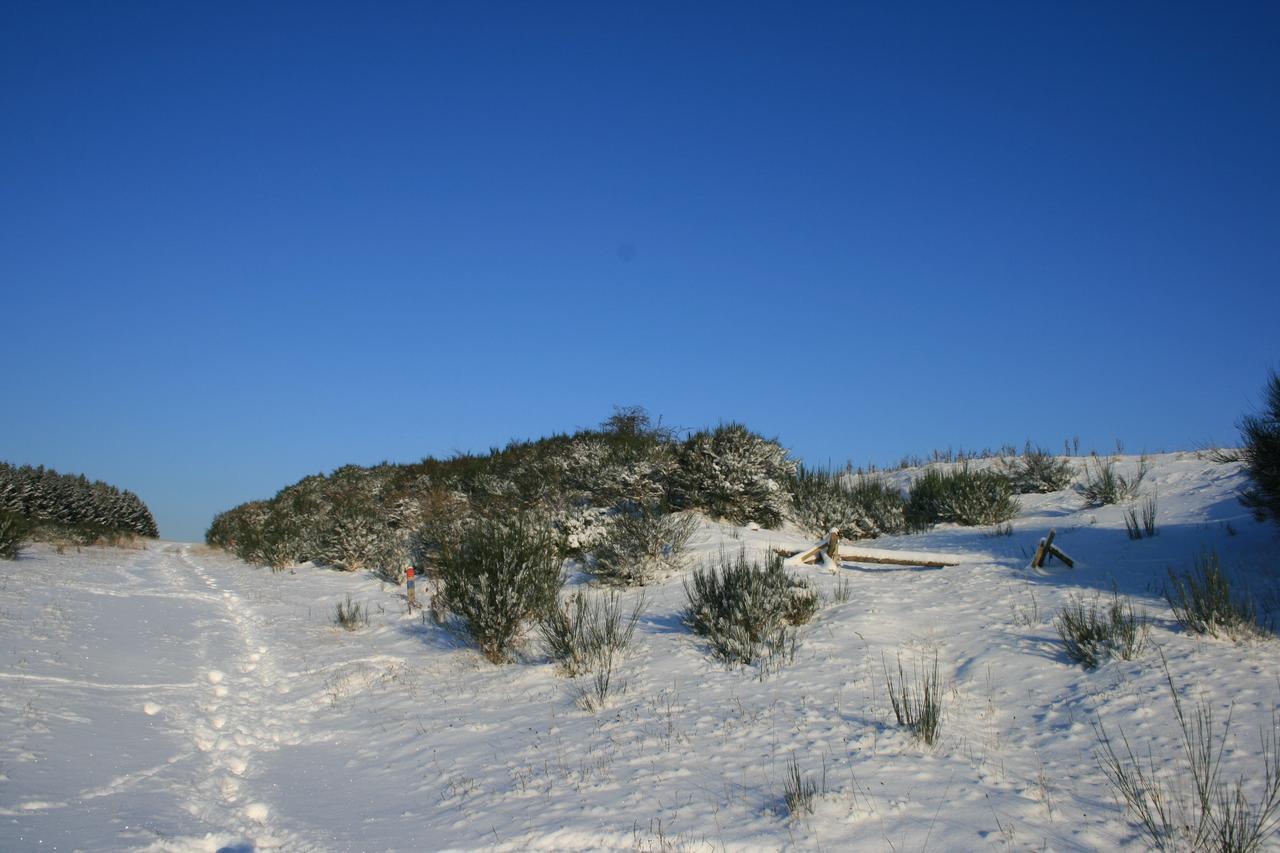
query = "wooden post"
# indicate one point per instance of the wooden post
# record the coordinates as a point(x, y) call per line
point(1044, 549)
point(833, 546)
point(408, 580)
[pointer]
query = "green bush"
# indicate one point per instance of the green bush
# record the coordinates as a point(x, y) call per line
point(1091, 634)
point(1105, 485)
point(861, 507)
point(745, 609)
point(1260, 453)
point(497, 575)
point(1038, 470)
point(961, 496)
point(587, 631)
point(14, 530)
point(1203, 602)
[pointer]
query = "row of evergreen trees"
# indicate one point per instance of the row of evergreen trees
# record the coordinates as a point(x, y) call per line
point(42, 498)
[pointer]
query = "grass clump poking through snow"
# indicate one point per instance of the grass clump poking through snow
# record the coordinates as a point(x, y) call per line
point(799, 790)
point(1260, 453)
point(917, 703)
point(1203, 602)
point(498, 574)
point(1193, 807)
point(962, 496)
point(746, 610)
point(351, 615)
point(587, 630)
point(13, 535)
point(861, 508)
point(1105, 485)
point(1147, 526)
point(1091, 634)
point(1038, 470)
point(642, 544)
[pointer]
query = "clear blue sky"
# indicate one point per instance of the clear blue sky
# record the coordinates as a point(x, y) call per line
point(243, 242)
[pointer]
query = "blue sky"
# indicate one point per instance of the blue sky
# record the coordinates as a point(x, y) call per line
point(241, 243)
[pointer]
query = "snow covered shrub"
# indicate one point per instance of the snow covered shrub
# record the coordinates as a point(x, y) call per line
point(917, 704)
point(1091, 634)
point(742, 608)
point(70, 506)
point(961, 496)
point(1038, 470)
point(1104, 485)
point(1260, 452)
point(641, 544)
point(734, 474)
point(496, 575)
point(861, 507)
point(13, 534)
point(798, 790)
point(1203, 602)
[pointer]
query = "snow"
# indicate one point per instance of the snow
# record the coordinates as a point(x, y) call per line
point(175, 699)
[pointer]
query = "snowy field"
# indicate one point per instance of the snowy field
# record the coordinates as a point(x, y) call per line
point(176, 699)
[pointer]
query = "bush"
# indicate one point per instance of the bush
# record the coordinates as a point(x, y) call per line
point(961, 496)
point(1104, 485)
point(917, 704)
point(642, 544)
point(744, 609)
point(1203, 603)
point(862, 509)
point(14, 530)
point(1038, 470)
point(734, 474)
point(1091, 635)
point(497, 575)
point(588, 631)
point(1260, 452)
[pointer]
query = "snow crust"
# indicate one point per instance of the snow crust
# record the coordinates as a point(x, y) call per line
point(175, 699)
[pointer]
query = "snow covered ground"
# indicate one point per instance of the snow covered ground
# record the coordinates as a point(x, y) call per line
point(174, 698)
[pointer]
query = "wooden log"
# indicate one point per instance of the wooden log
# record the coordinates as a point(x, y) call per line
point(855, 557)
point(833, 544)
point(1057, 552)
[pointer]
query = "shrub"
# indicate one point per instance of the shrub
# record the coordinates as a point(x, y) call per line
point(497, 575)
point(641, 544)
point(1260, 452)
point(1038, 470)
point(587, 631)
point(1193, 807)
point(1202, 600)
point(1091, 634)
point(743, 608)
point(917, 704)
point(864, 508)
point(1104, 485)
point(734, 474)
point(963, 496)
point(14, 530)
point(351, 615)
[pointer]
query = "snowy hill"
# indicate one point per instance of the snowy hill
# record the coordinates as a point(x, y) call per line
point(177, 699)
